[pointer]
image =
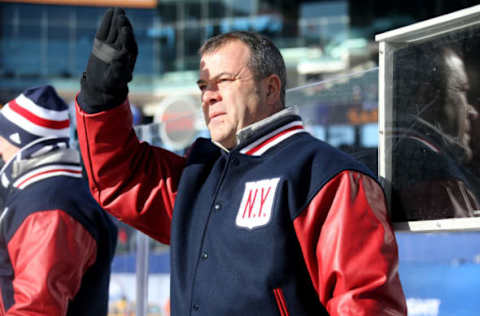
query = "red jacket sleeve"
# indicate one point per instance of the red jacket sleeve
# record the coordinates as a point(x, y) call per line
point(50, 253)
point(350, 249)
point(134, 181)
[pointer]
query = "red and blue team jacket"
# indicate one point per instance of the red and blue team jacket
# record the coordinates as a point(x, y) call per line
point(56, 244)
point(283, 224)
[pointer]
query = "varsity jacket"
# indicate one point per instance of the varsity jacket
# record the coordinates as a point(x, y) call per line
point(283, 224)
point(56, 244)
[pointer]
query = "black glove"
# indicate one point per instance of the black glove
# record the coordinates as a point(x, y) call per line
point(111, 63)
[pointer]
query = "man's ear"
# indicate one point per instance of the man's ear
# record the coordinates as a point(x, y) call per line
point(273, 87)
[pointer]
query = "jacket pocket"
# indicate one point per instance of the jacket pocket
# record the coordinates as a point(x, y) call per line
point(281, 304)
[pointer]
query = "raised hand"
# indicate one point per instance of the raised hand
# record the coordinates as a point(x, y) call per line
point(104, 84)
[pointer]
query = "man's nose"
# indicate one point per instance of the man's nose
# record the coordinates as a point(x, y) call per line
point(211, 95)
point(472, 112)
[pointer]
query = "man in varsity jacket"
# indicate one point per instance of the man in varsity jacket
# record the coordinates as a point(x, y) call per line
point(262, 219)
point(56, 244)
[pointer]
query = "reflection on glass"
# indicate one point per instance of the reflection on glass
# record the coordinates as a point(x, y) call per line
point(473, 70)
point(431, 133)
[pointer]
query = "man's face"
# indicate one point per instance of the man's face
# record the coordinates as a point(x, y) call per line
point(459, 112)
point(231, 97)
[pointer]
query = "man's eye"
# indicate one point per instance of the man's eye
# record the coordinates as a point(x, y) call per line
point(224, 80)
point(202, 87)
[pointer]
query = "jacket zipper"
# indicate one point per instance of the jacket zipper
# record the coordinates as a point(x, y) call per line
point(281, 304)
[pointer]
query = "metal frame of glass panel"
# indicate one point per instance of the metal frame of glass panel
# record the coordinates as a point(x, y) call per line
point(389, 43)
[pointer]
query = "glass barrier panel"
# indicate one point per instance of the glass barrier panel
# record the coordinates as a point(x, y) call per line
point(430, 96)
point(342, 111)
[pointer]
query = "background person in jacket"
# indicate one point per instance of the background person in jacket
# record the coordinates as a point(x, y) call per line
point(431, 142)
point(262, 219)
point(56, 243)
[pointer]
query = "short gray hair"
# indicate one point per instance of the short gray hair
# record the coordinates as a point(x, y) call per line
point(265, 57)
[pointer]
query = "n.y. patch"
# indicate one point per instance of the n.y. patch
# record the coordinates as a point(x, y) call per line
point(257, 203)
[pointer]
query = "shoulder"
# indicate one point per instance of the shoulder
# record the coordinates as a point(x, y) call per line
point(323, 157)
point(202, 151)
point(68, 194)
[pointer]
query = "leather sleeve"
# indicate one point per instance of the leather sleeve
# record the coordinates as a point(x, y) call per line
point(350, 249)
point(135, 182)
point(50, 253)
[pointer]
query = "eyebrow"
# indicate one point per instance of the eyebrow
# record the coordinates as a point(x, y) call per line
point(200, 81)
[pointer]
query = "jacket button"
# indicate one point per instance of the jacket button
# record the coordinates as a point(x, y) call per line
point(204, 255)
point(217, 206)
point(235, 161)
point(196, 307)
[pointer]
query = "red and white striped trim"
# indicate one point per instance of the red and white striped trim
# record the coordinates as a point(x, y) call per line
point(47, 172)
point(35, 119)
point(426, 143)
point(272, 139)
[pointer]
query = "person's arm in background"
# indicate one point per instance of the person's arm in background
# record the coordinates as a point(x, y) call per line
point(134, 181)
point(49, 253)
point(350, 249)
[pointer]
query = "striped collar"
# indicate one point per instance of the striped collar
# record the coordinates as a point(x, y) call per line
point(433, 138)
point(261, 145)
point(45, 172)
point(40, 160)
point(257, 138)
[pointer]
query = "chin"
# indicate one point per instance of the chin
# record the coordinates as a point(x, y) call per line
point(224, 141)
point(217, 135)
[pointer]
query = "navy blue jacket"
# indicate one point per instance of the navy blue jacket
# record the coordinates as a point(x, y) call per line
point(283, 224)
point(56, 243)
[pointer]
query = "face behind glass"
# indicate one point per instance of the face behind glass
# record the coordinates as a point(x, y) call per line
point(457, 110)
point(231, 96)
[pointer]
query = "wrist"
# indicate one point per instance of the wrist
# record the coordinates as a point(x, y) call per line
point(92, 99)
